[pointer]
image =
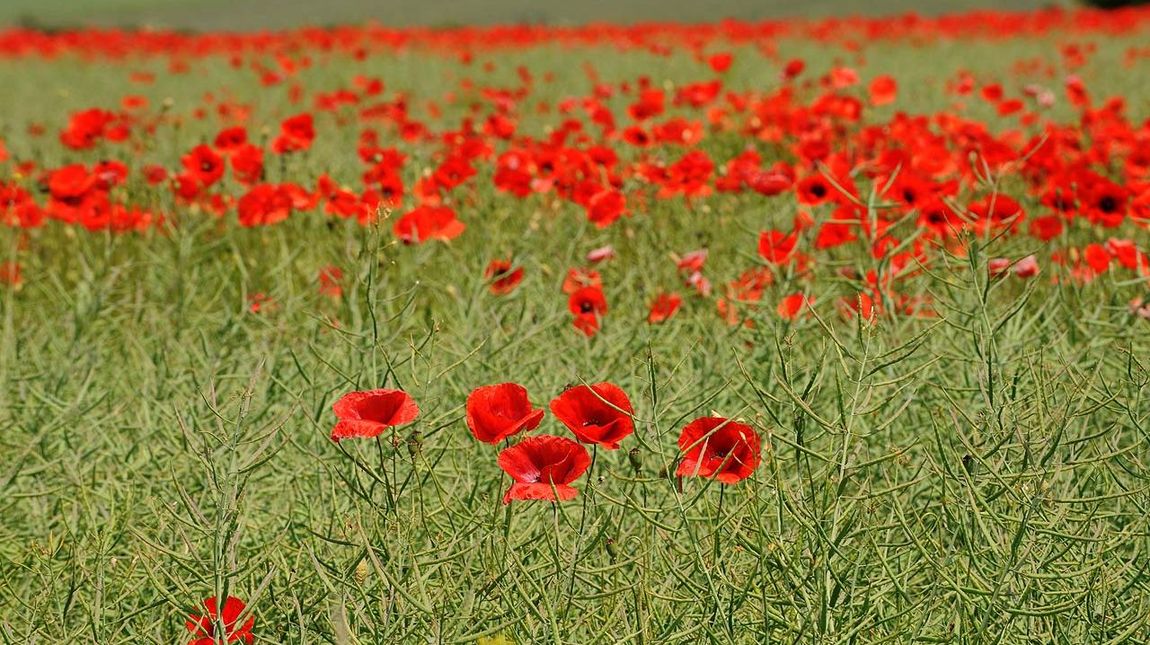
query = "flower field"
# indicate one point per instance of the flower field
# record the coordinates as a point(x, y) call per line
point(823, 331)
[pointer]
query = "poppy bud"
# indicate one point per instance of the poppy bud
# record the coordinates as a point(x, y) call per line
point(415, 444)
point(969, 464)
point(633, 457)
point(612, 552)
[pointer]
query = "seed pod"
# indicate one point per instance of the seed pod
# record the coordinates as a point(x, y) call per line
point(633, 457)
point(415, 444)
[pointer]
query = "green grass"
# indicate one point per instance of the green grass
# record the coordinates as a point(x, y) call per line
point(979, 477)
point(263, 14)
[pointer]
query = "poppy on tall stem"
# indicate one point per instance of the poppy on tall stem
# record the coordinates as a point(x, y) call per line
point(599, 414)
point(721, 449)
point(543, 468)
point(367, 414)
point(718, 448)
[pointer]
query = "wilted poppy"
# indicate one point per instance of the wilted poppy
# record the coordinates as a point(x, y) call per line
point(1027, 267)
point(543, 468)
point(330, 278)
point(578, 278)
point(600, 254)
point(597, 414)
point(367, 414)
point(720, 449)
point(495, 412)
point(203, 628)
point(10, 274)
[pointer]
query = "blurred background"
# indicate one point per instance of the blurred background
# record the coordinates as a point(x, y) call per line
point(273, 14)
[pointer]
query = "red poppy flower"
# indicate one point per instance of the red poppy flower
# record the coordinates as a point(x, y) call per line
point(720, 449)
point(296, 134)
point(1127, 254)
point(204, 165)
point(664, 306)
point(543, 468)
point(587, 300)
point(428, 223)
point(776, 247)
point(231, 139)
point(495, 412)
point(264, 204)
point(367, 414)
point(70, 183)
point(813, 190)
point(883, 90)
point(793, 68)
point(605, 207)
point(791, 306)
point(1046, 228)
point(248, 164)
point(503, 278)
point(599, 414)
point(586, 323)
point(1097, 257)
point(330, 278)
point(721, 62)
point(994, 211)
point(203, 628)
point(771, 182)
point(1105, 203)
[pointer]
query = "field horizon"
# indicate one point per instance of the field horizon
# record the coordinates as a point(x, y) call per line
point(247, 15)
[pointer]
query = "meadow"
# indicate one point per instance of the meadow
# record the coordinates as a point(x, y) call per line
point(896, 267)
